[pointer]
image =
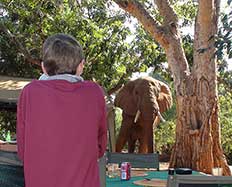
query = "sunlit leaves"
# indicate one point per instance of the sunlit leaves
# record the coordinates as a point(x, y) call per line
point(225, 100)
point(7, 123)
point(186, 12)
point(224, 38)
point(101, 33)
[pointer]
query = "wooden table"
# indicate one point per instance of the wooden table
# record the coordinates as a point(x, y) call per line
point(8, 147)
point(151, 183)
point(117, 182)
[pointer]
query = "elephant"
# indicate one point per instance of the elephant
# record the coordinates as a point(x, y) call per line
point(142, 101)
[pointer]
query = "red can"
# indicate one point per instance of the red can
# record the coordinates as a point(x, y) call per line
point(125, 171)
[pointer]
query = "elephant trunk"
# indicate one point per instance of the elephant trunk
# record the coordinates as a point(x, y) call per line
point(149, 107)
point(158, 115)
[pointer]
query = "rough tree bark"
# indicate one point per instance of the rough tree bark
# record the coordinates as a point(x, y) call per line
point(198, 133)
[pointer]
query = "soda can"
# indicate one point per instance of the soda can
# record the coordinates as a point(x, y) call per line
point(125, 172)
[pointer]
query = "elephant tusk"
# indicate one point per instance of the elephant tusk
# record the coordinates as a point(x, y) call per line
point(161, 117)
point(137, 116)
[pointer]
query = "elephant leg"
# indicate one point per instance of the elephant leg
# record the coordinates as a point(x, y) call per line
point(131, 145)
point(150, 140)
point(143, 146)
point(124, 132)
point(122, 138)
point(132, 139)
point(146, 138)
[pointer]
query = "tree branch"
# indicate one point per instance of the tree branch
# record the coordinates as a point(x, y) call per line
point(166, 12)
point(23, 50)
point(118, 85)
point(122, 79)
point(217, 12)
point(166, 35)
point(137, 10)
point(116, 88)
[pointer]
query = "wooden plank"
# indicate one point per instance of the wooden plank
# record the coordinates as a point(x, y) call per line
point(150, 160)
point(102, 170)
point(10, 88)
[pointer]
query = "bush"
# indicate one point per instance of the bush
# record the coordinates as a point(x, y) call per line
point(7, 123)
point(225, 100)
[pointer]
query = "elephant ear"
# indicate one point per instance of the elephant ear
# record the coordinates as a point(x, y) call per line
point(125, 99)
point(164, 98)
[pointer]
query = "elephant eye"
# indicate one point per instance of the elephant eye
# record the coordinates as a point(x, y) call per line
point(136, 92)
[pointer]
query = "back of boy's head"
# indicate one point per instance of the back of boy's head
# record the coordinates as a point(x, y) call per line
point(61, 54)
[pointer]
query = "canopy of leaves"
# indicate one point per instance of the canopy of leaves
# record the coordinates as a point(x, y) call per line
point(224, 42)
point(225, 99)
point(224, 50)
point(98, 26)
point(101, 27)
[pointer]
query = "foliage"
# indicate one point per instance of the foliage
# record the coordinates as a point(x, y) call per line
point(165, 132)
point(7, 123)
point(225, 99)
point(224, 38)
point(148, 52)
point(102, 30)
point(224, 47)
point(101, 34)
point(118, 120)
point(186, 11)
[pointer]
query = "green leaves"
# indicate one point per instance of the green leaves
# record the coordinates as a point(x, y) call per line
point(186, 12)
point(224, 37)
point(225, 98)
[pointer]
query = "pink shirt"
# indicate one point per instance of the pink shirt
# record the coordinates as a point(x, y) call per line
point(61, 133)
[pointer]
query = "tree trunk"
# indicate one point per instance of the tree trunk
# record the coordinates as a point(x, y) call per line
point(111, 127)
point(198, 133)
point(197, 129)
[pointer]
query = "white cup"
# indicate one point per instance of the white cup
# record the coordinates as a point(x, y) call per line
point(112, 170)
point(217, 171)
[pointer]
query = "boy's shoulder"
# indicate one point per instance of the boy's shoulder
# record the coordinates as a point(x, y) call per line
point(92, 84)
point(31, 84)
point(95, 86)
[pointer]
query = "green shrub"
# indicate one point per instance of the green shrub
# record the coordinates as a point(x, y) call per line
point(225, 100)
point(7, 123)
